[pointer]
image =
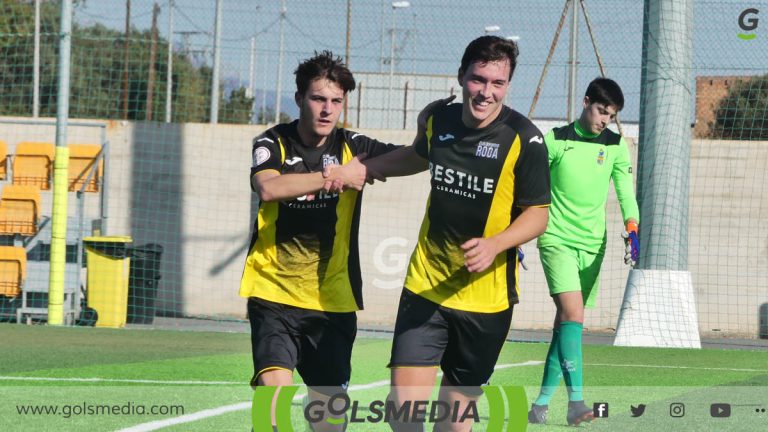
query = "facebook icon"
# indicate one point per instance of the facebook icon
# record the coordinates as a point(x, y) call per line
point(600, 409)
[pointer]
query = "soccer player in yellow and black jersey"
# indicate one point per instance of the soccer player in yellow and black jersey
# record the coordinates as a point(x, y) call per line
point(489, 194)
point(302, 274)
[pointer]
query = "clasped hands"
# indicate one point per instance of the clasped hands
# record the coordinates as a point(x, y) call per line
point(352, 175)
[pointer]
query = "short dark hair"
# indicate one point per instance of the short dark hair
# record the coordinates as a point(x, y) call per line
point(324, 65)
point(489, 49)
point(605, 91)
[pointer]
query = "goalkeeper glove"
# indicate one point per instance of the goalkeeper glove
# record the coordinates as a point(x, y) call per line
point(521, 257)
point(632, 251)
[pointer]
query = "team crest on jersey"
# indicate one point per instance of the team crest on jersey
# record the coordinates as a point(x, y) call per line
point(601, 157)
point(487, 150)
point(260, 155)
point(330, 160)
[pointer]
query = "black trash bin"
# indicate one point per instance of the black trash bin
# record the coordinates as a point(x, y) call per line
point(142, 283)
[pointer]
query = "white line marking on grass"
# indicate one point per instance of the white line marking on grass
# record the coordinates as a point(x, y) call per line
point(200, 415)
point(528, 363)
point(677, 367)
point(213, 412)
point(114, 380)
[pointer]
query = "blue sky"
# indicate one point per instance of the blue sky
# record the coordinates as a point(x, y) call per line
point(432, 34)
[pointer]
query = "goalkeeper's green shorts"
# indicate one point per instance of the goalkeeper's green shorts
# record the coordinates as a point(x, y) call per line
point(569, 269)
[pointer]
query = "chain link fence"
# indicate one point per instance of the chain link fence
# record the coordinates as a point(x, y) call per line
point(145, 70)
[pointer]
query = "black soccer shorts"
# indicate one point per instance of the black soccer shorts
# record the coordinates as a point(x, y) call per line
point(465, 344)
point(317, 344)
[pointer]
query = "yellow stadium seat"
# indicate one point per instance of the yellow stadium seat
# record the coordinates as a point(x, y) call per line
point(19, 210)
point(32, 164)
point(3, 160)
point(13, 270)
point(82, 157)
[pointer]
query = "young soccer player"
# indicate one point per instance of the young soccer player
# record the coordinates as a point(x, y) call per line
point(584, 157)
point(302, 274)
point(489, 194)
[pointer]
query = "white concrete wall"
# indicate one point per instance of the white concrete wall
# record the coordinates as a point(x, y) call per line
point(186, 188)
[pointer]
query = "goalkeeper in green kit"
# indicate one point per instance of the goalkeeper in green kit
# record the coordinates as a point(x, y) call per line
point(584, 157)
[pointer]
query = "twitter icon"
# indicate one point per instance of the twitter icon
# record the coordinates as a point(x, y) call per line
point(637, 411)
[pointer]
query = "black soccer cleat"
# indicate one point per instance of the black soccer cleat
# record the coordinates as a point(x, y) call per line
point(579, 412)
point(538, 414)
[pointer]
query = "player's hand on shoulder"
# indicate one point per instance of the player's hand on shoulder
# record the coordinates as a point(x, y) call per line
point(421, 120)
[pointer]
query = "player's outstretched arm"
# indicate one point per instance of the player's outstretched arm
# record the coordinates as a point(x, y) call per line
point(401, 162)
point(270, 185)
point(406, 161)
point(479, 253)
point(352, 175)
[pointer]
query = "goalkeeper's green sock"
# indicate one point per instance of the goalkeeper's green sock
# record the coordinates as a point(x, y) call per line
point(570, 351)
point(552, 371)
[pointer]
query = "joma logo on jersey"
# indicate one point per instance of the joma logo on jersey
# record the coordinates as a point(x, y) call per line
point(487, 150)
point(329, 160)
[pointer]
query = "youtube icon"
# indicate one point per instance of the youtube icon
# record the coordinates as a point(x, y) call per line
point(720, 410)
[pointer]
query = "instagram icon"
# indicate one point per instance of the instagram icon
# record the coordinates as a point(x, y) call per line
point(677, 409)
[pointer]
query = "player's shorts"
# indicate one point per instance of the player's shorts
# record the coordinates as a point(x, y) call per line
point(317, 344)
point(465, 344)
point(569, 269)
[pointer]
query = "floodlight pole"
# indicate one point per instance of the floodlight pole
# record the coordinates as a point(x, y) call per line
point(395, 6)
point(216, 65)
point(36, 67)
point(549, 59)
point(169, 71)
point(346, 60)
point(126, 57)
point(573, 61)
point(278, 96)
point(251, 68)
point(60, 178)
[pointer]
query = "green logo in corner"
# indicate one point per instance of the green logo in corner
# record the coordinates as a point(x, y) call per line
point(507, 410)
point(748, 22)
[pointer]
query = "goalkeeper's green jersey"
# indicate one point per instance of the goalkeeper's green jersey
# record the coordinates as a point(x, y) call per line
point(582, 166)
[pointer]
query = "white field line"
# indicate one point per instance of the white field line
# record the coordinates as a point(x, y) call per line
point(354, 387)
point(114, 380)
point(527, 363)
point(200, 415)
point(188, 418)
point(675, 367)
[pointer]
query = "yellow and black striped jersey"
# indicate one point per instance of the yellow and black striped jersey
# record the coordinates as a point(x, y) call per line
point(304, 253)
point(480, 180)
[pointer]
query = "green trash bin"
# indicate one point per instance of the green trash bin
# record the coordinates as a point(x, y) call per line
point(108, 273)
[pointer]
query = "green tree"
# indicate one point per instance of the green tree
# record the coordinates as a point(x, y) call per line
point(268, 116)
point(743, 113)
point(17, 26)
point(238, 108)
point(97, 69)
